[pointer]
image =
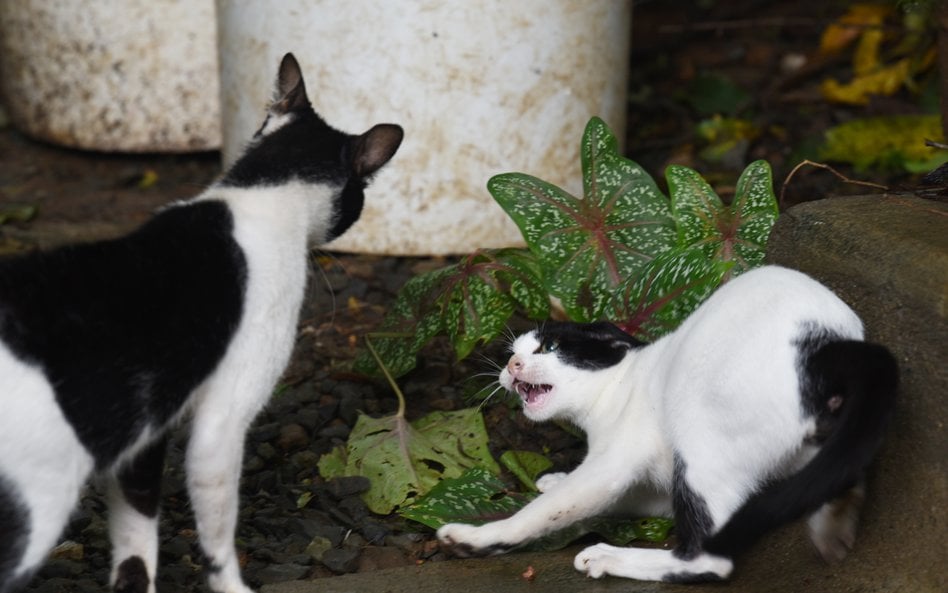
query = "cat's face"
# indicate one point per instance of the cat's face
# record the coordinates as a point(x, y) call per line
point(557, 368)
point(294, 144)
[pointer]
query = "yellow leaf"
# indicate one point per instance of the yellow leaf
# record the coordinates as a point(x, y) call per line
point(866, 58)
point(851, 25)
point(891, 142)
point(884, 81)
point(148, 179)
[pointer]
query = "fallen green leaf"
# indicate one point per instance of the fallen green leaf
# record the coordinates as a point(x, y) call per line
point(16, 213)
point(527, 466)
point(404, 461)
point(333, 464)
point(303, 499)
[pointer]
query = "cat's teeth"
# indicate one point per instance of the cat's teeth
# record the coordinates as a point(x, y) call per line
point(530, 392)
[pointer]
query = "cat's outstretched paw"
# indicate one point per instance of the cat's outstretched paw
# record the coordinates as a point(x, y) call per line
point(548, 481)
point(470, 540)
point(596, 561)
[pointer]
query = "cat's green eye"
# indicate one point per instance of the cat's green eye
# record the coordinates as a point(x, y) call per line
point(547, 346)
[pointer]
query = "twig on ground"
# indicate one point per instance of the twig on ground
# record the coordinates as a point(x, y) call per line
point(783, 188)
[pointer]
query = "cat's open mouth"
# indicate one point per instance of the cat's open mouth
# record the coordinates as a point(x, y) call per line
point(532, 394)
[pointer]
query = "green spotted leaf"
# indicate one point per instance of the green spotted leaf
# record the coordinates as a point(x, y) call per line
point(587, 247)
point(485, 290)
point(476, 497)
point(737, 233)
point(414, 319)
point(479, 497)
point(470, 302)
point(602, 255)
point(667, 291)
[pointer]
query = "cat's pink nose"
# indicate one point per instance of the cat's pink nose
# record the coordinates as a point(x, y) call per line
point(514, 364)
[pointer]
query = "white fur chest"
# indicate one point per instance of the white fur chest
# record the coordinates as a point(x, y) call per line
point(273, 226)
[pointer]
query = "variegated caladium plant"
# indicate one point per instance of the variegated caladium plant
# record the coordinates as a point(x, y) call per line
point(623, 251)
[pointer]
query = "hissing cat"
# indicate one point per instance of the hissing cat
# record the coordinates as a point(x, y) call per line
point(763, 406)
point(104, 346)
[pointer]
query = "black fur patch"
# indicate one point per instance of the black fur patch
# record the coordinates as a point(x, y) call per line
point(132, 576)
point(587, 346)
point(692, 519)
point(125, 329)
point(688, 578)
point(349, 207)
point(864, 377)
point(467, 551)
point(305, 148)
point(141, 479)
point(14, 535)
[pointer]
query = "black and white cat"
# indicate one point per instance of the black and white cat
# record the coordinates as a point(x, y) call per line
point(763, 406)
point(104, 346)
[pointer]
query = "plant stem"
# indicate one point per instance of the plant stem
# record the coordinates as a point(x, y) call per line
point(388, 376)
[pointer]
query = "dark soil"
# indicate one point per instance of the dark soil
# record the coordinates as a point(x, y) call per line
point(81, 196)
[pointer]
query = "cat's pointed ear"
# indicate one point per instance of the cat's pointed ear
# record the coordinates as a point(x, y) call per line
point(374, 148)
point(290, 92)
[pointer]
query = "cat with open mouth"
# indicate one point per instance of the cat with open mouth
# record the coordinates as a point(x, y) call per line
point(764, 406)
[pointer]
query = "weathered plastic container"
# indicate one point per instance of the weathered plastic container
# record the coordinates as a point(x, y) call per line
point(112, 75)
point(480, 87)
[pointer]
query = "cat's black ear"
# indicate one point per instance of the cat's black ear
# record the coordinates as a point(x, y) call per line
point(290, 92)
point(374, 148)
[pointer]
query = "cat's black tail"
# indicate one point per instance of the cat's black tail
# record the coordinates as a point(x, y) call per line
point(851, 387)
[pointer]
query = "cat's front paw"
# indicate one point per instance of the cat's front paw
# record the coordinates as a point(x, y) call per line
point(548, 481)
point(470, 540)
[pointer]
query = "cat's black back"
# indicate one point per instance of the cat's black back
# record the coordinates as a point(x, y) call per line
point(126, 329)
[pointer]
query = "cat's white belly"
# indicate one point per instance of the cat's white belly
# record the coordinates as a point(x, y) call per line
point(40, 454)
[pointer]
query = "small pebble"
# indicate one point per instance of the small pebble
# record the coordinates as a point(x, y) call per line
point(341, 560)
point(279, 573)
point(292, 437)
point(347, 486)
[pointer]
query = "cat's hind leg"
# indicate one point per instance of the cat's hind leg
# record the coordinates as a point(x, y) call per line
point(134, 493)
point(43, 467)
point(833, 527)
point(647, 564)
point(689, 561)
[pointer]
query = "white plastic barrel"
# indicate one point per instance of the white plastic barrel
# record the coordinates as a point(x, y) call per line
point(480, 86)
point(112, 75)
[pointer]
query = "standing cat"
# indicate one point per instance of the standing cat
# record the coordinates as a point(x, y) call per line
point(764, 406)
point(104, 346)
